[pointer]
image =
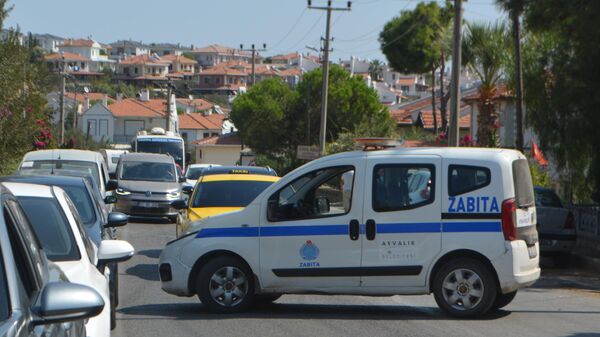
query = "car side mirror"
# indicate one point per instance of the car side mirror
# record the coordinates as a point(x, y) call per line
point(179, 204)
point(117, 219)
point(113, 251)
point(182, 179)
point(187, 189)
point(322, 205)
point(112, 175)
point(110, 199)
point(112, 185)
point(64, 302)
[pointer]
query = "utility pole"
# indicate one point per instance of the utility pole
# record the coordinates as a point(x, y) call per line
point(519, 77)
point(326, 50)
point(455, 86)
point(168, 114)
point(63, 80)
point(253, 50)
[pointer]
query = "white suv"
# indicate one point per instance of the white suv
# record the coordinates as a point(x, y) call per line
point(347, 224)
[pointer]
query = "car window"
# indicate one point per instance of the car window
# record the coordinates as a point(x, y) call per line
point(147, 171)
point(547, 198)
point(4, 297)
point(402, 186)
point(194, 173)
point(29, 280)
point(237, 193)
point(83, 203)
point(51, 227)
point(90, 168)
point(464, 178)
point(87, 241)
point(322, 193)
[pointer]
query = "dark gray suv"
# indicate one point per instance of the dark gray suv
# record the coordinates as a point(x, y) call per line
point(35, 296)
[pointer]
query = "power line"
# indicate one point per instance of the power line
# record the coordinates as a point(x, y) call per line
point(291, 29)
point(307, 33)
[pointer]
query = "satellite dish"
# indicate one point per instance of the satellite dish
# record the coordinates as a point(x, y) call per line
point(86, 90)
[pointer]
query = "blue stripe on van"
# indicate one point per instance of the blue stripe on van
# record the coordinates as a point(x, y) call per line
point(385, 228)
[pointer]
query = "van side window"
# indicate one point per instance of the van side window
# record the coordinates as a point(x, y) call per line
point(322, 193)
point(4, 297)
point(464, 178)
point(402, 186)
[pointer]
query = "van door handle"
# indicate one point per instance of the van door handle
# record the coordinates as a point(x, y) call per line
point(371, 229)
point(354, 230)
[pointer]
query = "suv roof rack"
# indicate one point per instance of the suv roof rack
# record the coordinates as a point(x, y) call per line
point(377, 143)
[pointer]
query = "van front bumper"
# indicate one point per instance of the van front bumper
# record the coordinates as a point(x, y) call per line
point(174, 275)
point(145, 208)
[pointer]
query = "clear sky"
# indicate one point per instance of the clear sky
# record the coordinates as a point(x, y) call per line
point(284, 25)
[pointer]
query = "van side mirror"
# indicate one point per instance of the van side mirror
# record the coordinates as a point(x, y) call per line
point(182, 179)
point(187, 189)
point(179, 204)
point(112, 185)
point(65, 302)
point(322, 205)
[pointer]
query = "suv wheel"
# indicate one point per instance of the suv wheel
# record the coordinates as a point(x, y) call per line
point(225, 285)
point(464, 287)
point(503, 300)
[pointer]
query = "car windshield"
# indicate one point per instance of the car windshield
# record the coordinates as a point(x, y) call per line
point(237, 193)
point(547, 198)
point(146, 171)
point(51, 227)
point(74, 165)
point(194, 173)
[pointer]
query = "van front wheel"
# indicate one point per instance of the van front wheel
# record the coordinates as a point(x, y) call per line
point(464, 287)
point(225, 285)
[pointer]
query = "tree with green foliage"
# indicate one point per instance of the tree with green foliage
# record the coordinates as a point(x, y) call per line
point(413, 42)
point(24, 117)
point(375, 70)
point(486, 49)
point(273, 119)
point(562, 87)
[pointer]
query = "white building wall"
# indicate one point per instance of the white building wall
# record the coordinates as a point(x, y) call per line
point(98, 122)
point(218, 154)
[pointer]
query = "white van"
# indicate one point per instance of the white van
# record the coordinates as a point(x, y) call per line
point(111, 159)
point(351, 223)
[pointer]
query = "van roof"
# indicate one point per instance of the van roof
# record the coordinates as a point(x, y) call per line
point(444, 152)
point(152, 157)
point(80, 155)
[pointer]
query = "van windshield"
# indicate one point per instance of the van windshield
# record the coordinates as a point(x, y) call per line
point(74, 165)
point(145, 171)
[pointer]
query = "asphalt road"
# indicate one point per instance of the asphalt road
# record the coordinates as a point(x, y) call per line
point(562, 303)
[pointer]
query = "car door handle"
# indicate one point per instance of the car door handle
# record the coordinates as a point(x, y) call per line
point(370, 229)
point(354, 230)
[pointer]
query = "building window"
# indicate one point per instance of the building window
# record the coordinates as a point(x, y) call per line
point(214, 134)
point(206, 135)
point(230, 80)
point(135, 71)
point(199, 154)
point(217, 80)
point(207, 80)
point(394, 77)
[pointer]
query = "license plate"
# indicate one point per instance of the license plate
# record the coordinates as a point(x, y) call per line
point(532, 252)
point(148, 204)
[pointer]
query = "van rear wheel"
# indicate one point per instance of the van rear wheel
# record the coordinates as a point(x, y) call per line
point(503, 300)
point(464, 287)
point(225, 285)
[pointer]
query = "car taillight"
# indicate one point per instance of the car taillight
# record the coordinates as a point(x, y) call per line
point(570, 222)
point(509, 228)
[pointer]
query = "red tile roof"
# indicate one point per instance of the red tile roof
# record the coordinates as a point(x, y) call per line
point(135, 108)
point(286, 57)
point(144, 59)
point(93, 96)
point(227, 139)
point(65, 56)
point(78, 43)
point(198, 121)
point(402, 117)
point(215, 48)
point(178, 58)
point(198, 103)
point(502, 92)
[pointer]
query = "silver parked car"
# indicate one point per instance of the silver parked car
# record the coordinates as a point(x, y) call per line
point(147, 185)
point(556, 225)
point(35, 296)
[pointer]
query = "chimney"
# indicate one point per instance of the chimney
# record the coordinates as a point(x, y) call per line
point(86, 103)
point(105, 100)
point(145, 95)
point(119, 96)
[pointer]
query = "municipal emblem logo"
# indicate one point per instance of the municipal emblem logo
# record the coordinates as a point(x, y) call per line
point(148, 194)
point(309, 251)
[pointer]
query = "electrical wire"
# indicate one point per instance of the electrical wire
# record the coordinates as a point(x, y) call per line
point(291, 29)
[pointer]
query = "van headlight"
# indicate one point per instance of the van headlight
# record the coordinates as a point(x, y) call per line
point(122, 191)
point(174, 194)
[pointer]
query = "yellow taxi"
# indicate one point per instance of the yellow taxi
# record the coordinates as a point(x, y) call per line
point(221, 190)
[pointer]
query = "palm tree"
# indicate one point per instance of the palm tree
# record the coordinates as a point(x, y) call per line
point(375, 69)
point(515, 8)
point(485, 48)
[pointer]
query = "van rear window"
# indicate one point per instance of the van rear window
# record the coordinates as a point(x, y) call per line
point(523, 185)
